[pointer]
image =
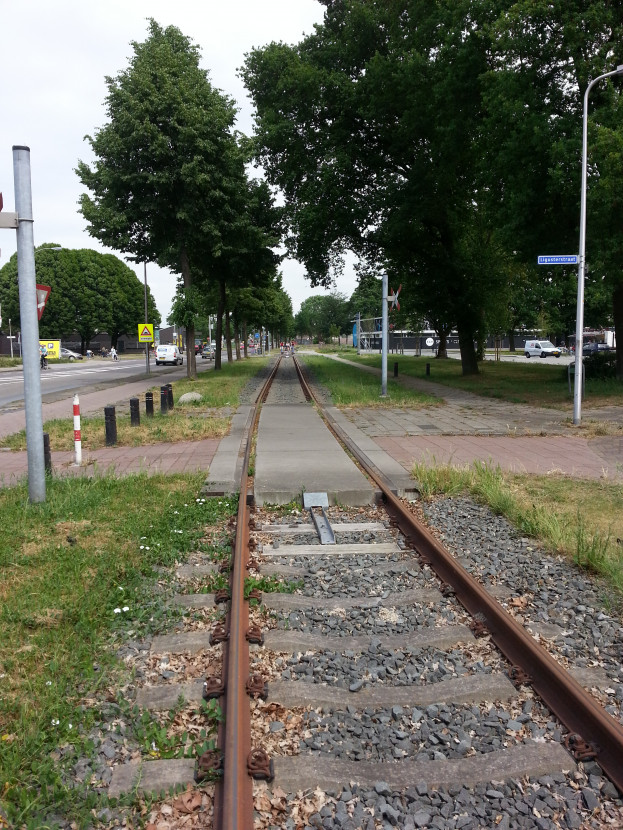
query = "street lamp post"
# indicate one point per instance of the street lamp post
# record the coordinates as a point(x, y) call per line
point(579, 326)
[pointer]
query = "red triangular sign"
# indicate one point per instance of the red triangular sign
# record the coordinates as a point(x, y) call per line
point(146, 332)
point(43, 292)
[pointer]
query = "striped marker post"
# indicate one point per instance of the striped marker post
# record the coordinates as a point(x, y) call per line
point(77, 433)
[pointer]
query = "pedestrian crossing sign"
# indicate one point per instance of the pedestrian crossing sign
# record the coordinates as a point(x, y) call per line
point(145, 332)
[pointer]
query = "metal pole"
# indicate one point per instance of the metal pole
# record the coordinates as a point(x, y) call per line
point(384, 340)
point(358, 332)
point(11, 337)
point(579, 325)
point(147, 369)
point(29, 323)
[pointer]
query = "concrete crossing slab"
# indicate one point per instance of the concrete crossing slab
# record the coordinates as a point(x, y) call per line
point(296, 453)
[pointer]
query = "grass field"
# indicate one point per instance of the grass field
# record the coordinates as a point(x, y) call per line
point(538, 385)
point(350, 387)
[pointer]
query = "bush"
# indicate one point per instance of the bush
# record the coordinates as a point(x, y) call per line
point(600, 365)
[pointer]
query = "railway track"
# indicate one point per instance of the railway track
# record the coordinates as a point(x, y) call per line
point(376, 683)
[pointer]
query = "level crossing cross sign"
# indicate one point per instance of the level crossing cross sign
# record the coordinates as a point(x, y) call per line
point(145, 332)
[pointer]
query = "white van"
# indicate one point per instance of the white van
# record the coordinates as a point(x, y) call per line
point(541, 348)
point(168, 354)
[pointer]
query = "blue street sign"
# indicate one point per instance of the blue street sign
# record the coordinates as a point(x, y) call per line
point(565, 259)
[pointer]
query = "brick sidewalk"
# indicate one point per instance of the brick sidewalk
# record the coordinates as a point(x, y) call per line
point(183, 457)
point(600, 458)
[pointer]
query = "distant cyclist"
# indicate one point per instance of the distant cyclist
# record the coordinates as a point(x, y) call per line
point(43, 353)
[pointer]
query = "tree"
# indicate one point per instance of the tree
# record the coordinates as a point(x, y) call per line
point(367, 298)
point(91, 292)
point(323, 316)
point(543, 57)
point(167, 181)
point(371, 128)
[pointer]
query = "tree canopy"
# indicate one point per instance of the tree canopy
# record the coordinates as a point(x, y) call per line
point(440, 140)
point(90, 293)
point(168, 182)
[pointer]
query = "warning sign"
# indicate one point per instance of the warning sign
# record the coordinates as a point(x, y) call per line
point(145, 332)
point(43, 292)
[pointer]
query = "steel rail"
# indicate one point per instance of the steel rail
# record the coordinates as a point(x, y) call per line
point(233, 809)
point(576, 708)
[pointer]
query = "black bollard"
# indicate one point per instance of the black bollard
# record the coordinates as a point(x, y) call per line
point(396, 370)
point(164, 400)
point(135, 415)
point(110, 423)
point(427, 369)
point(170, 393)
point(47, 455)
point(149, 404)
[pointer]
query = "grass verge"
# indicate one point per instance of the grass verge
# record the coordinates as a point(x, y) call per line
point(534, 384)
point(188, 422)
point(77, 577)
point(581, 520)
point(350, 388)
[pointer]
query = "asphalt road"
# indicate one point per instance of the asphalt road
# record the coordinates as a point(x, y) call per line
point(83, 375)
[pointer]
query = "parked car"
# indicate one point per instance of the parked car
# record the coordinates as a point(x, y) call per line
point(67, 354)
point(541, 348)
point(168, 354)
point(593, 348)
point(207, 353)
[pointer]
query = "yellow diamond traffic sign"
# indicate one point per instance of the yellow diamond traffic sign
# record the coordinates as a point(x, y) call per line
point(145, 332)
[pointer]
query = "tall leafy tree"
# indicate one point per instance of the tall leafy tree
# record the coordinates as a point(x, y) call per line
point(371, 128)
point(168, 178)
point(91, 293)
point(543, 57)
point(324, 316)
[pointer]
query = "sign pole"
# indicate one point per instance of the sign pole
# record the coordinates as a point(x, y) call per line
point(29, 324)
point(384, 339)
point(147, 369)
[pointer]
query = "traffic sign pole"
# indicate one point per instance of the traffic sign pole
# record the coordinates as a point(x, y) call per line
point(29, 324)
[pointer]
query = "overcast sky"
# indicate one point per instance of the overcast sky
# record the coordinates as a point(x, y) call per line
point(54, 58)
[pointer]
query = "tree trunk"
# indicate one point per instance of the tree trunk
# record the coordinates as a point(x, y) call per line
point(469, 362)
point(442, 349)
point(230, 357)
point(617, 315)
point(191, 361)
point(511, 341)
point(244, 340)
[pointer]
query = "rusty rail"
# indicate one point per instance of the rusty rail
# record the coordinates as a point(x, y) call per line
point(233, 809)
point(594, 733)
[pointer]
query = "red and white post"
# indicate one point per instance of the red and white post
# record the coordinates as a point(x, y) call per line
point(77, 433)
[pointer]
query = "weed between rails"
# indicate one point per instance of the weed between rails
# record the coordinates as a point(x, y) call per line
point(80, 575)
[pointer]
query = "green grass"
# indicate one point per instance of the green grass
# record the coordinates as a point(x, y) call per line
point(349, 387)
point(538, 385)
point(220, 388)
point(9, 362)
point(582, 520)
point(76, 578)
point(188, 422)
